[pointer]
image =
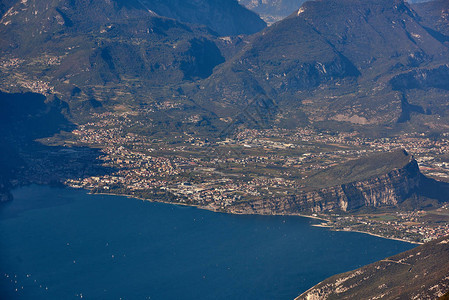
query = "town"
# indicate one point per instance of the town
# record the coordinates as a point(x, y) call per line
point(252, 164)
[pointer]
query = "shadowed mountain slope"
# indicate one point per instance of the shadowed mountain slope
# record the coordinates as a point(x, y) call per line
point(101, 50)
point(338, 61)
point(273, 10)
point(333, 63)
point(226, 17)
point(435, 16)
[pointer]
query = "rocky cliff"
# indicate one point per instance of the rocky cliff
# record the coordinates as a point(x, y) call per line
point(333, 60)
point(376, 182)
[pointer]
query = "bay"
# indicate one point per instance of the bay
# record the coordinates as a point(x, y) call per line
point(59, 243)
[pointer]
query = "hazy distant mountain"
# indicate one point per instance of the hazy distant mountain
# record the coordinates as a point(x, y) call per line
point(351, 61)
point(273, 10)
point(225, 17)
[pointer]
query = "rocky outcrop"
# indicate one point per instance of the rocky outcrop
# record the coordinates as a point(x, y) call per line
point(389, 189)
point(422, 79)
point(420, 273)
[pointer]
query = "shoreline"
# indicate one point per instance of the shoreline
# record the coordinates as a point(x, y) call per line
point(377, 235)
point(322, 225)
point(274, 214)
point(203, 207)
point(369, 233)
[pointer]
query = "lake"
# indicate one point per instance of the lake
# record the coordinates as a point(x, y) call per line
point(59, 243)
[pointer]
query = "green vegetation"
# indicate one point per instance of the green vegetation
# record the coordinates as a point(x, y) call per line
point(359, 169)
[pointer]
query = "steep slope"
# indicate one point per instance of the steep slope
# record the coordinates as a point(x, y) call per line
point(333, 64)
point(223, 16)
point(5, 5)
point(273, 10)
point(117, 51)
point(337, 60)
point(420, 273)
point(24, 118)
point(435, 16)
point(380, 180)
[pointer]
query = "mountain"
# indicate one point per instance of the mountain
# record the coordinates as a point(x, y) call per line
point(435, 16)
point(273, 10)
point(115, 53)
point(336, 63)
point(98, 51)
point(223, 16)
point(420, 273)
point(226, 17)
point(380, 180)
point(98, 56)
point(331, 64)
point(26, 121)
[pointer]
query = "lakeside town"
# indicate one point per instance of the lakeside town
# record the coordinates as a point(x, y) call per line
point(252, 164)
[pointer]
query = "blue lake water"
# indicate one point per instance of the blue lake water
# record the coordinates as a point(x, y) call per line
point(60, 243)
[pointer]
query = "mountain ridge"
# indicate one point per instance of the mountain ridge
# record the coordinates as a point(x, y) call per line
point(344, 70)
point(79, 54)
point(331, 64)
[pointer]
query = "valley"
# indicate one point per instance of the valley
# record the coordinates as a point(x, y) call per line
point(337, 111)
point(258, 165)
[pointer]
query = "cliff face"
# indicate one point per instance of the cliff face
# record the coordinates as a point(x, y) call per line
point(389, 189)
